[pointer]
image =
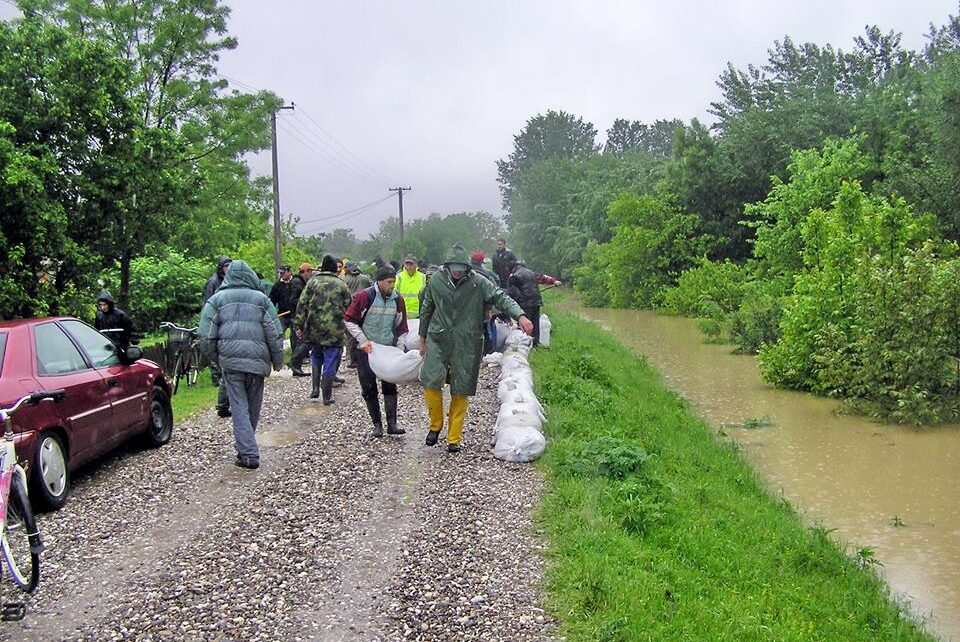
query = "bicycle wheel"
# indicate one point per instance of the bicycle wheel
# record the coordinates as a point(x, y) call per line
point(177, 371)
point(19, 536)
point(194, 368)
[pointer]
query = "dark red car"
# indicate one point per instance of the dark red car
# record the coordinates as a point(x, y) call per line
point(111, 396)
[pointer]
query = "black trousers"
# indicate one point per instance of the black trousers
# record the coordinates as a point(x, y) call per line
point(368, 380)
point(533, 313)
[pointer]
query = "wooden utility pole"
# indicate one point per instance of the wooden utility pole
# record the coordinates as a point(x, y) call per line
point(400, 191)
point(277, 259)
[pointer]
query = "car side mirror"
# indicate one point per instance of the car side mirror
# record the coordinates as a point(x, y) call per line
point(133, 353)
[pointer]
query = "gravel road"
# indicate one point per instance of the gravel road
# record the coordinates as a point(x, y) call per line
point(338, 536)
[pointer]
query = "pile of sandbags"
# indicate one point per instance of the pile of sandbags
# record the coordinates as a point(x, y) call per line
point(518, 435)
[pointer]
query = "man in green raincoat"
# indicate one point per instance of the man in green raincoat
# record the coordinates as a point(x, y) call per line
point(451, 339)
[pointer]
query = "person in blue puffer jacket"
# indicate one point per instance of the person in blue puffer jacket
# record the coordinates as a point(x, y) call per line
point(240, 331)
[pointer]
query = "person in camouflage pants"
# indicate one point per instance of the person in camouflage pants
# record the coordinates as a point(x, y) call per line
point(319, 322)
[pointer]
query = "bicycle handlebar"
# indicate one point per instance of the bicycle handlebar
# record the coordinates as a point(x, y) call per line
point(174, 326)
point(33, 399)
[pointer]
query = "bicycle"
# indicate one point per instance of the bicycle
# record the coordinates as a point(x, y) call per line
point(20, 543)
point(186, 342)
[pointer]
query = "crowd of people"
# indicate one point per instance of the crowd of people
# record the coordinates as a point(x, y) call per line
point(336, 308)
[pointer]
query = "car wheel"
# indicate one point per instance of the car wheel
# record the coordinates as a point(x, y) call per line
point(50, 474)
point(160, 421)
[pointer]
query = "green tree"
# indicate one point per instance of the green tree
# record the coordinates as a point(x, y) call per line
point(64, 132)
point(655, 139)
point(555, 134)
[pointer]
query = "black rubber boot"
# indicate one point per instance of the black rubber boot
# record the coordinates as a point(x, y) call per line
point(373, 407)
point(315, 385)
point(339, 379)
point(296, 359)
point(432, 437)
point(390, 405)
point(326, 386)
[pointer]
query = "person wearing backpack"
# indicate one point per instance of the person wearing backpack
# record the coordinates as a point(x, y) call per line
point(377, 315)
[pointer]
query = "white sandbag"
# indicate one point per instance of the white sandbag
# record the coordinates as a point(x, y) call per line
point(513, 384)
point(531, 409)
point(413, 338)
point(492, 359)
point(513, 362)
point(519, 444)
point(520, 398)
point(545, 326)
point(510, 420)
point(519, 337)
point(394, 365)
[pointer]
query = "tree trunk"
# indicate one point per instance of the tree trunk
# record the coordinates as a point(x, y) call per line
point(124, 295)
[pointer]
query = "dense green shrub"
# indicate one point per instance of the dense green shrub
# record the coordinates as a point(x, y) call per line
point(710, 287)
point(168, 288)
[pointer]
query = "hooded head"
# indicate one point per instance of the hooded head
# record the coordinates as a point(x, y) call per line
point(458, 261)
point(241, 275)
point(105, 301)
point(222, 264)
point(352, 268)
point(328, 264)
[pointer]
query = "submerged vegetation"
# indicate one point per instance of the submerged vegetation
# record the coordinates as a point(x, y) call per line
point(660, 532)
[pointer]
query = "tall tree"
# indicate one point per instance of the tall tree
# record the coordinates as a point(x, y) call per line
point(64, 137)
point(555, 134)
point(655, 139)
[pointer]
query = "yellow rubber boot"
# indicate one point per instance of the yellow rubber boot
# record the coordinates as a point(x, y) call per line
point(458, 412)
point(434, 399)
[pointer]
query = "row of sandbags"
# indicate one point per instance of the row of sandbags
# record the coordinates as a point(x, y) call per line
point(517, 433)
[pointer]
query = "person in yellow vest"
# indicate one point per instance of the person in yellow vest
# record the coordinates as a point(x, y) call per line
point(410, 281)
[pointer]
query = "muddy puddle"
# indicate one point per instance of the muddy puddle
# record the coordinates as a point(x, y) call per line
point(891, 488)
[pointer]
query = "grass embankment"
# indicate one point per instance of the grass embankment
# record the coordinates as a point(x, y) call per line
point(659, 531)
point(190, 400)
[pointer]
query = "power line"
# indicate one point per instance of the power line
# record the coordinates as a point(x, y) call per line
point(344, 147)
point(311, 146)
point(342, 216)
point(358, 167)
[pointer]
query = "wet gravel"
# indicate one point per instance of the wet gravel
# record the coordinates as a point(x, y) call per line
point(338, 536)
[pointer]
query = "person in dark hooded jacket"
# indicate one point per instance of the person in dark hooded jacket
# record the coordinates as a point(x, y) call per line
point(240, 331)
point(522, 288)
point(110, 317)
point(214, 282)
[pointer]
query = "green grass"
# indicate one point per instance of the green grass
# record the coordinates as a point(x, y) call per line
point(659, 531)
point(190, 400)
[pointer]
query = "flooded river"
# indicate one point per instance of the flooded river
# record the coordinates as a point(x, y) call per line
point(891, 488)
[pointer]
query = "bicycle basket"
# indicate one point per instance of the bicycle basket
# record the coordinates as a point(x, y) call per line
point(178, 339)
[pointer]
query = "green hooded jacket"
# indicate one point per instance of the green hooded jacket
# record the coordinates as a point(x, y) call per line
point(320, 311)
point(451, 320)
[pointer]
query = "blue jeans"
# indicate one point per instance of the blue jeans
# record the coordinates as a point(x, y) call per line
point(246, 398)
point(328, 356)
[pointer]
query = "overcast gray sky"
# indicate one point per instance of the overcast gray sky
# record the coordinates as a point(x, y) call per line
point(429, 94)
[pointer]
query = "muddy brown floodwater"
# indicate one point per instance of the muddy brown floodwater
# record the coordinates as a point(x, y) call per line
point(891, 488)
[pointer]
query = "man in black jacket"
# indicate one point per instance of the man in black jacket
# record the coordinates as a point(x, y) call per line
point(285, 294)
point(522, 288)
point(501, 260)
point(113, 318)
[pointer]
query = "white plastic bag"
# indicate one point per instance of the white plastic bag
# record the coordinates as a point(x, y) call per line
point(394, 365)
point(518, 337)
point(512, 384)
point(519, 444)
point(545, 326)
point(513, 362)
point(413, 338)
point(502, 331)
point(520, 398)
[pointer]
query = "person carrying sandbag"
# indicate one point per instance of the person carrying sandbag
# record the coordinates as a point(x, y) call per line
point(451, 339)
point(377, 314)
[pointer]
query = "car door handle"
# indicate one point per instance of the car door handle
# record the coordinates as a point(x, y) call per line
point(111, 382)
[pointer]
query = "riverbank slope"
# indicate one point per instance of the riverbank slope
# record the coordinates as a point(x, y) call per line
point(658, 530)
